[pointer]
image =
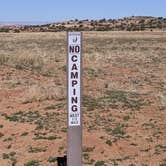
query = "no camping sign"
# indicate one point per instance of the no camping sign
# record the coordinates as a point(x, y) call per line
point(74, 133)
point(74, 78)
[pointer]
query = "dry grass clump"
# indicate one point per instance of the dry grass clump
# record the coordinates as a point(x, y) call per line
point(162, 99)
point(3, 59)
point(34, 61)
point(26, 60)
point(23, 59)
point(44, 91)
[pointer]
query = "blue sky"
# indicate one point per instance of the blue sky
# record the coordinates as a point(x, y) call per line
point(60, 10)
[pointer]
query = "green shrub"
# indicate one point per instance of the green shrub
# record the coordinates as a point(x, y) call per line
point(118, 130)
point(109, 142)
point(8, 139)
point(1, 134)
point(36, 150)
point(100, 163)
point(24, 134)
point(126, 117)
point(4, 30)
point(52, 159)
point(32, 163)
point(5, 156)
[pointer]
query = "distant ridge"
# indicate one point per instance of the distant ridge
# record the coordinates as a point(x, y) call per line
point(133, 23)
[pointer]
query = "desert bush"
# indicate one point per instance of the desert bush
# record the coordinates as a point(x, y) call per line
point(7, 139)
point(36, 150)
point(23, 116)
point(1, 134)
point(10, 156)
point(87, 159)
point(16, 31)
point(4, 30)
point(24, 134)
point(100, 163)
point(126, 117)
point(118, 130)
point(27, 60)
point(43, 92)
point(52, 159)
point(32, 163)
point(88, 149)
point(5, 156)
point(3, 59)
point(108, 142)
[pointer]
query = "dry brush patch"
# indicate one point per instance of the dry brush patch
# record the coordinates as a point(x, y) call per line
point(40, 92)
point(123, 97)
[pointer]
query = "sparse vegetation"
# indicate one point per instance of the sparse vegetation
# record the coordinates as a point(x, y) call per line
point(129, 100)
point(100, 163)
point(87, 159)
point(109, 142)
point(126, 117)
point(43, 136)
point(160, 149)
point(55, 107)
point(52, 159)
point(7, 139)
point(24, 133)
point(9, 146)
point(61, 148)
point(36, 150)
point(123, 100)
point(5, 156)
point(4, 29)
point(10, 156)
point(32, 163)
point(1, 134)
point(88, 149)
point(118, 130)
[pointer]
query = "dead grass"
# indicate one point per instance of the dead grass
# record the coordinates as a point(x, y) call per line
point(123, 97)
point(44, 91)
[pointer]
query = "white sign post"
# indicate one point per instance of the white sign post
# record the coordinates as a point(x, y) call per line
point(74, 134)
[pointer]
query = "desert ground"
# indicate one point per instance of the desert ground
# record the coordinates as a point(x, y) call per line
point(124, 98)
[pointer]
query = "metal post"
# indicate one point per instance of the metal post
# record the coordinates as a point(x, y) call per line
point(74, 133)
